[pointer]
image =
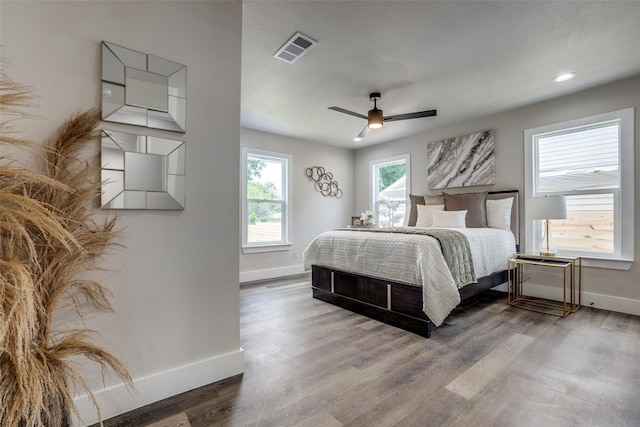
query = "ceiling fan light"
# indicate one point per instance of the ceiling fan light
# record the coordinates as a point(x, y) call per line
point(375, 119)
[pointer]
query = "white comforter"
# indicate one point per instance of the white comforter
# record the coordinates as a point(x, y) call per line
point(412, 259)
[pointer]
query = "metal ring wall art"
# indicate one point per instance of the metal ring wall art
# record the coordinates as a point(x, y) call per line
point(324, 181)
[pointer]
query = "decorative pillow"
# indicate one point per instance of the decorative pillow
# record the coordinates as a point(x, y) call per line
point(413, 210)
point(433, 200)
point(451, 219)
point(499, 213)
point(474, 203)
point(425, 214)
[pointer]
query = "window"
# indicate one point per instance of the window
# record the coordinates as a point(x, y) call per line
point(265, 200)
point(590, 162)
point(390, 183)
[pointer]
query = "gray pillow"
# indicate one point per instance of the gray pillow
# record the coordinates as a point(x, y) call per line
point(413, 211)
point(473, 203)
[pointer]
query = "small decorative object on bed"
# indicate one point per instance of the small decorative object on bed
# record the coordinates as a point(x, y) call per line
point(463, 161)
point(324, 182)
point(412, 277)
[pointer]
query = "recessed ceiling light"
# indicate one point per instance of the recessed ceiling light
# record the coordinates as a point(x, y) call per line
point(357, 138)
point(564, 77)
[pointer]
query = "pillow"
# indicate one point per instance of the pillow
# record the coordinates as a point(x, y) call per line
point(499, 213)
point(452, 219)
point(425, 214)
point(473, 203)
point(413, 210)
point(433, 200)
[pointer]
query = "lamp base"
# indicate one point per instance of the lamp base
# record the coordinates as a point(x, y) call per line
point(548, 246)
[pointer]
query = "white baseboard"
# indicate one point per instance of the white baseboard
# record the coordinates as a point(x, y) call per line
point(117, 399)
point(271, 273)
point(588, 299)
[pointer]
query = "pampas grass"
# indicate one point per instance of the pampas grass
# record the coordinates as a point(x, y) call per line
point(48, 241)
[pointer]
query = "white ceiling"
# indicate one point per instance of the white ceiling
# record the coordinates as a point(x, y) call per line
point(465, 59)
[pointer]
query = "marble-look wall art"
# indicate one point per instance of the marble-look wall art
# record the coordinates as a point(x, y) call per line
point(463, 161)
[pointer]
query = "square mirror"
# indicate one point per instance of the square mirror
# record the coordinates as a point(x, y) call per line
point(142, 172)
point(143, 90)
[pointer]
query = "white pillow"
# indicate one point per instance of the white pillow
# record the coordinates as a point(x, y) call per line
point(499, 213)
point(451, 219)
point(425, 214)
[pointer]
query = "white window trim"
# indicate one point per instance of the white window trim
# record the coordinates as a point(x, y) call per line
point(249, 248)
point(626, 214)
point(372, 186)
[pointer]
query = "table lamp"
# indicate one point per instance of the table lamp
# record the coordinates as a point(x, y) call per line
point(546, 208)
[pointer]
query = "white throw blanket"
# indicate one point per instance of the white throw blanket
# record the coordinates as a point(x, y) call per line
point(412, 259)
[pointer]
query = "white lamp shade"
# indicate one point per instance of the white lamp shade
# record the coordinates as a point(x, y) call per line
point(548, 207)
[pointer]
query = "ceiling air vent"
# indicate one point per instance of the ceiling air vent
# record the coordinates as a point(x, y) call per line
point(295, 48)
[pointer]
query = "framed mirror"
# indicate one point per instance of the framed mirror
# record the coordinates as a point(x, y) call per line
point(143, 90)
point(142, 172)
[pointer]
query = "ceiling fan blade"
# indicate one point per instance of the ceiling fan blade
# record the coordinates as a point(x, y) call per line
point(364, 132)
point(351, 113)
point(416, 115)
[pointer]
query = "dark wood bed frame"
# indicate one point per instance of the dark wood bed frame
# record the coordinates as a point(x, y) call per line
point(393, 303)
point(396, 304)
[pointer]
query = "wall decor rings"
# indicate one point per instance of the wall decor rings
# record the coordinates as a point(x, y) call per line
point(324, 182)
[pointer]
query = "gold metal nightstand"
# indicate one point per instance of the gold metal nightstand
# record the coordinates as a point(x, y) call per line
point(572, 281)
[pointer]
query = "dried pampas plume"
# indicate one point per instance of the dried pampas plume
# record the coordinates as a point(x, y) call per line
point(48, 239)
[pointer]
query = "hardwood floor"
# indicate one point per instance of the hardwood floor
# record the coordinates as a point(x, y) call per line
point(309, 363)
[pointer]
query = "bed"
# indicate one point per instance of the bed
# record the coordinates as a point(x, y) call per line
point(400, 276)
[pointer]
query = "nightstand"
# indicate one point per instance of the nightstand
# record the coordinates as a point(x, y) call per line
point(571, 270)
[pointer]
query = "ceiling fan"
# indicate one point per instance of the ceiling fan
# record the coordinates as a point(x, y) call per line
point(375, 118)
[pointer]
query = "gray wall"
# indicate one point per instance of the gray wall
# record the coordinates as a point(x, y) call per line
point(175, 285)
point(313, 213)
point(620, 289)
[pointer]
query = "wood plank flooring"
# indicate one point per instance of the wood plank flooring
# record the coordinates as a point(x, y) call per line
point(311, 364)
